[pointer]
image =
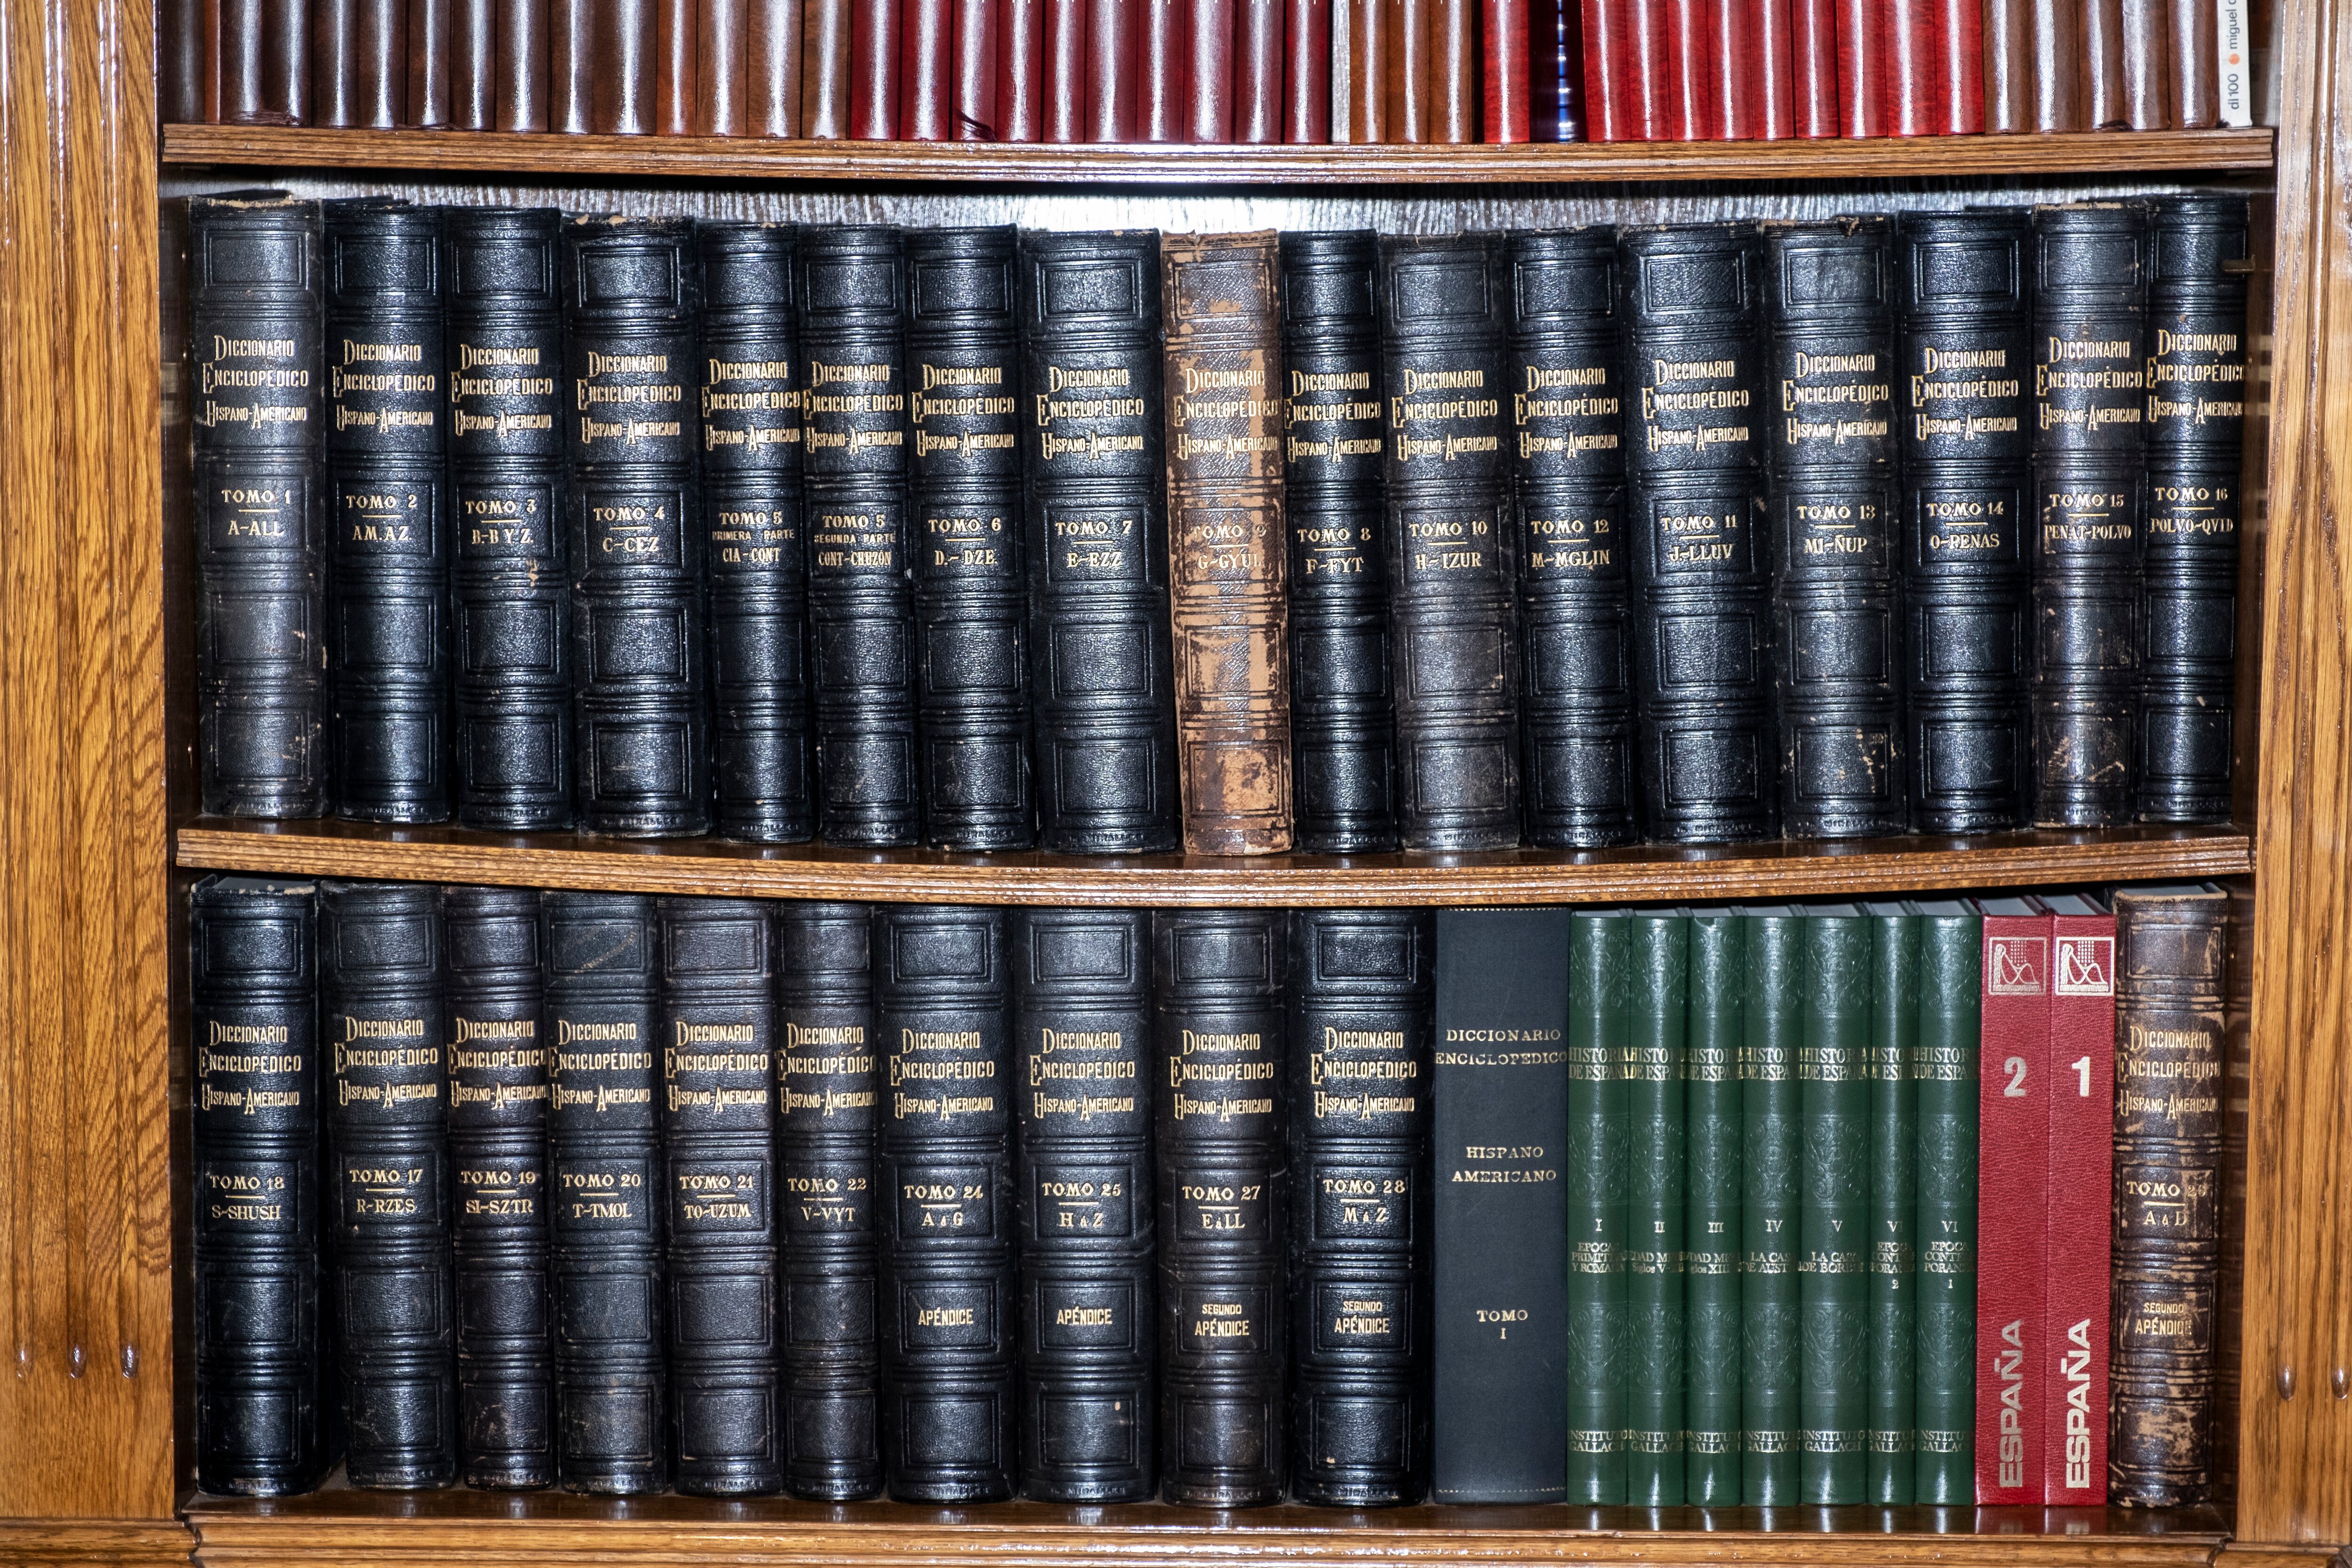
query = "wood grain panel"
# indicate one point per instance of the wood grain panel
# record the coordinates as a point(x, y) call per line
point(85, 1291)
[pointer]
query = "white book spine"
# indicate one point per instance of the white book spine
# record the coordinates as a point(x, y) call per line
point(2235, 76)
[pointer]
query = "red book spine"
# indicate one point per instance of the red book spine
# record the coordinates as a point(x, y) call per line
point(2012, 1205)
point(1257, 73)
point(1813, 67)
point(1960, 105)
point(1861, 67)
point(1690, 89)
point(926, 70)
point(1641, 73)
point(1735, 84)
point(1775, 100)
point(1307, 73)
point(1159, 71)
point(1020, 72)
point(1910, 67)
point(1208, 65)
point(1503, 70)
point(674, 73)
point(1113, 101)
point(1063, 71)
point(2082, 1080)
point(874, 71)
point(975, 100)
point(1605, 90)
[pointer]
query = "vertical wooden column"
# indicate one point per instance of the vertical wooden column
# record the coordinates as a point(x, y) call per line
point(86, 1405)
point(2295, 1417)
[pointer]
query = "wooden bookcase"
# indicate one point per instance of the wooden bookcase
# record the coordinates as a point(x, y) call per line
point(98, 837)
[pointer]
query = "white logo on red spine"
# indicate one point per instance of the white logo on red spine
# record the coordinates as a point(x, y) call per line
point(2086, 967)
point(2014, 965)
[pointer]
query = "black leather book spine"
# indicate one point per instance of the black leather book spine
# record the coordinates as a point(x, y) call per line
point(718, 1152)
point(1082, 1061)
point(2196, 438)
point(948, 1313)
point(632, 292)
point(1690, 311)
point(511, 583)
point(972, 657)
point(1359, 1068)
point(1836, 668)
point(500, 1193)
point(1342, 728)
point(380, 1004)
point(604, 1147)
point(257, 400)
point(1964, 406)
point(1217, 1029)
point(1095, 534)
point(388, 512)
point(860, 588)
point(829, 1077)
point(1450, 544)
point(260, 1400)
point(754, 391)
point(2090, 452)
point(1568, 474)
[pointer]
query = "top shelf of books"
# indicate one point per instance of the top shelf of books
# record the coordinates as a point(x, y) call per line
point(731, 157)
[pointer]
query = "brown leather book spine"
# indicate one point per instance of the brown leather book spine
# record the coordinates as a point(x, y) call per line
point(926, 70)
point(873, 70)
point(2008, 66)
point(2100, 66)
point(722, 68)
point(1369, 38)
point(1209, 72)
point(773, 40)
point(825, 69)
point(359, 62)
point(1453, 72)
point(519, 65)
point(1065, 72)
point(2147, 65)
point(624, 46)
point(975, 111)
point(572, 59)
point(282, 47)
point(2196, 64)
point(1021, 71)
point(1814, 67)
point(1408, 68)
point(473, 65)
point(2054, 29)
point(1227, 547)
point(334, 63)
point(2171, 970)
point(675, 67)
point(1114, 51)
point(180, 52)
point(430, 93)
point(234, 67)
point(1306, 72)
point(1162, 70)
point(1258, 72)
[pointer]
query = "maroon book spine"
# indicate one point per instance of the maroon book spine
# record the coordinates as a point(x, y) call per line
point(1505, 76)
point(722, 69)
point(181, 27)
point(1020, 71)
point(624, 47)
point(359, 63)
point(522, 65)
point(1113, 100)
point(975, 100)
point(1645, 75)
point(1606, 96)
point(1776, 98)
point(1734, 81)
point(1960, 86)
point(1208, 72)
point(1812, 67)
point(210, 71)
point(825, 69)
point(285, 51)
point(1067, 62)
point(428, 94)
point(571, 56)
point(474, 64)
point(874, 71)
point(1306, 72)
point(674, 67)
point(772, 72)
point(926, 67)
point(1909, 68)
point(1690, 92)
point(1258, 72)
point(1160, 71)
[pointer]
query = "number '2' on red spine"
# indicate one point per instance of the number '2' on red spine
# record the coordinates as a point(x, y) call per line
point(2012, 1202)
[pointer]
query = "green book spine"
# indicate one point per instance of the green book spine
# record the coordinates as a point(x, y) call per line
point(1834, 1213)
point(1711, 1312)
point(1770, 1031)
point(1944, 1079)
point(1893, 1203)
point(1599, 948)
point(1652, 1067)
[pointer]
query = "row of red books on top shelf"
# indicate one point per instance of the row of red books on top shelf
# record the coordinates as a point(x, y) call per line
point(1214, 71)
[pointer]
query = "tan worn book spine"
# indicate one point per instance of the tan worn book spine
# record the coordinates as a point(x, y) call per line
point(1227, 548)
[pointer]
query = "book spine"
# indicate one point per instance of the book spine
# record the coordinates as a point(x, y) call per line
point(1688, 312)
point(874, 71)
point(1306, 72)
point(1689, 85)
point(2009, 84)
point(2236, 1093)
point(1228, 546)
point(2090, 332)
point(675, 67)
point(1944, 1086)
point(1453, 68)
point(1499, 1216)
point(926, 70)
point(1372, 39)
point(622, 71)
point(1409, 84)
point(1910, 69)
point(2172, 965)
point(970, 600)
point(1834, 1214)
point(474, 64)
point(1594, 1179)
point(426, 92)
point(1963, 344)
point(388, 510)
point(2150, 86)
point(1449, 549)
point(1959, 87)
point(1734, 85)
point(2196, 406)
point(1771, 1139)
point(1359, 1068)
point(1021, 74)
point(500, 1190)
point(1894, 1325)
point(1258, 72)
point(182, 33)
point(1776, 90)
point(1813, 67)
point(1342, 737)
point(1568, 472)
point(2101, 66)
point(717, 1120)
point(1205, 108)
point(975, 34)
point(521, 65)
point(2233, 80)
point(258, 363)
point(829, 1083)
point(825, 69)
point(260, 1402)
point(2013, 1201)
point(1114, 89)
point(1095, 536)
point(569, 69)
point(1602, 24)
point(1507, 59)
point(1163, 70)
point(1090, 1320)
point(720, 92)
point(860, 595)
point(949, 1410)
point(380, 1006)
point(1645, 71)
point(1217, 989)
point(631, 295)
point(774, 31)
point(282, 43)
point(1837, 696)
point(1712, 1090)
point(1063, 71)
point(1863, 62)
point(2081, 1077)
point(1656, 1210)
point(2056, 96)
point(359, 63)
point(612, 1416)
point(510, 604)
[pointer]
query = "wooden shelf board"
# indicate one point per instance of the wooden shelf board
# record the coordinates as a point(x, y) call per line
point(2119, 153)
point(1649, 874)
point(480, 1528)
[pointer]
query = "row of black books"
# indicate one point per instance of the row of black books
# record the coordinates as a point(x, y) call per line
point(1700, 533)
point(1350, 1206)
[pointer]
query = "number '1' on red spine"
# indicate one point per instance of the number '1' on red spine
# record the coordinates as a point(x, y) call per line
point(2013, 1201)
point(2082, 1081)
